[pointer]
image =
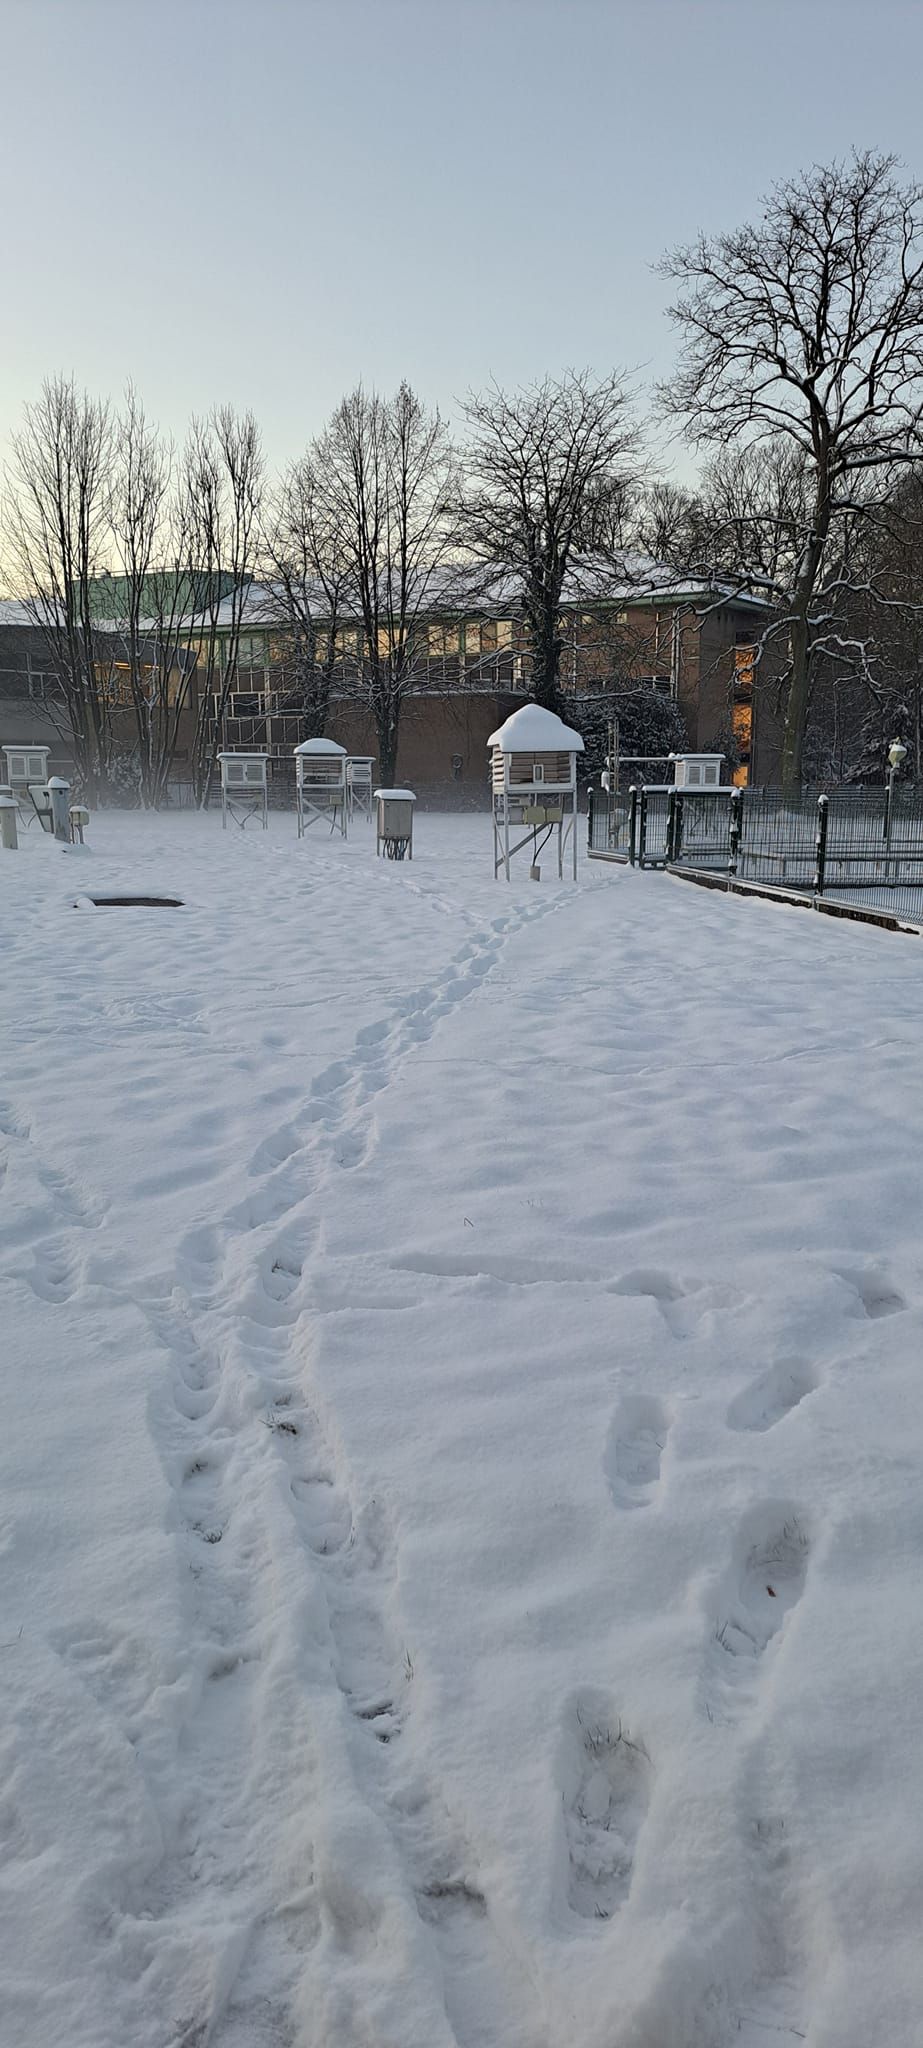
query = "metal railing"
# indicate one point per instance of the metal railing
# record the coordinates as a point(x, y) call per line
point(861, 847)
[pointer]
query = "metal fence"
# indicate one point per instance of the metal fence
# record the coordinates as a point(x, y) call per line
point(854, 846)
point(630, 825)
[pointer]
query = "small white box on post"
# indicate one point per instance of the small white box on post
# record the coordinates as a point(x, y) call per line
point(394, 823)
point(26, 765)
point(27, 776)
point(534, 784)
point(9, 813)
point(59, 799)
point(79, 820)
point(697, 771)
point(320, 785)
point(359, 769)
point(244, 788)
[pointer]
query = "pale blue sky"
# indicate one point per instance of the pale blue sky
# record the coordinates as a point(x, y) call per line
point(266, 202)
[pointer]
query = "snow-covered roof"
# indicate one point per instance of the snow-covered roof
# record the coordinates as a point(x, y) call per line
point(320, 747)
point(409, 795)
point(14, 613)
point(533, 730)
point(467, 590)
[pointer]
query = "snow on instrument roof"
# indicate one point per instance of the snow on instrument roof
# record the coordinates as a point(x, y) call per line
point(532, 729)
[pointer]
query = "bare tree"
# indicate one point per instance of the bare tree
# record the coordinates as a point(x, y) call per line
point(808, 327)
point(388, 486)
point(162, 586)
point(56, 524)
point(547, 476)
point(221, 491)
point(667, 524)
point(138, 511)
point(854, 718)
point(308, 580)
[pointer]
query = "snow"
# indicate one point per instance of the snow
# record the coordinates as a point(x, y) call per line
point(467, 588)
point(13, 612)
point(533, 730)
point(320, 746)
point(459, 1477)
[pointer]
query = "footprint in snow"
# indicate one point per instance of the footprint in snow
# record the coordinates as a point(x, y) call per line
point(669, 1294)
point(635, 1450)
point(773, 1395)
point(875, 1294)
point(275, 1150)
point(606, 1788)
point(325, 1515)
point(54, 1273)
point(766, 1583)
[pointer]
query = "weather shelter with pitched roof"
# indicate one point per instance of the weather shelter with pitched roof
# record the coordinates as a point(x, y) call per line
point(533, 765)
point(320, 784)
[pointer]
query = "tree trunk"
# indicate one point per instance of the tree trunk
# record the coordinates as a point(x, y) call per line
point(387, 724)
point(545, 645)
point(796, 711)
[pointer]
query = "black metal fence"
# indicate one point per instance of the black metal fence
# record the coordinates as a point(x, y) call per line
point(854, 846)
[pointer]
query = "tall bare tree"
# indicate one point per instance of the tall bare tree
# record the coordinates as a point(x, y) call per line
point(138, 515)
point(161, 584)
point(808, 327)
point(547, 471)
point(307, 563)
point(388, 483)
point(221, 486)
point(56, 508)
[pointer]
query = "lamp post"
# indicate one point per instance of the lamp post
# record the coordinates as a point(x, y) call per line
point(897, 753)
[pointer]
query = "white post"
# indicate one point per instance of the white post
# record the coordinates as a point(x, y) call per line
point(59, 792)
point(9, 811)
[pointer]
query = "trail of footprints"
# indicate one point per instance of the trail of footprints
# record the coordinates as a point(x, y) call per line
point(45, 1203)
point(348, 1543)
point(335, 1127)
point(607, 1773)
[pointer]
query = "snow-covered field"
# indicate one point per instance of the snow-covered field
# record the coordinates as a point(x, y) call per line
point(460, 1469)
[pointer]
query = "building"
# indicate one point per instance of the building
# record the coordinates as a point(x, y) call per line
point(695, 643)
point(33, 707)
point(470, 669)
point(30, 706)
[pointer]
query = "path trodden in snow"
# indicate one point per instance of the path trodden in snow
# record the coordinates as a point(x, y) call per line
point(461, 1436)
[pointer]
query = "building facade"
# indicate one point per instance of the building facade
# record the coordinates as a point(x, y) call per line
point(470, 668)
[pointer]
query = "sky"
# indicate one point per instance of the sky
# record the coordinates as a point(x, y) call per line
point(265, 201)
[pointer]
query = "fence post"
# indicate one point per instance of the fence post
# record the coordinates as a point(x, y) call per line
point(9, 811)
point(671, 826)
point(678, 823)
point(589, 818)
point(820, 846)
point(735, 801)
point(632, 824)
point(642, 826)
